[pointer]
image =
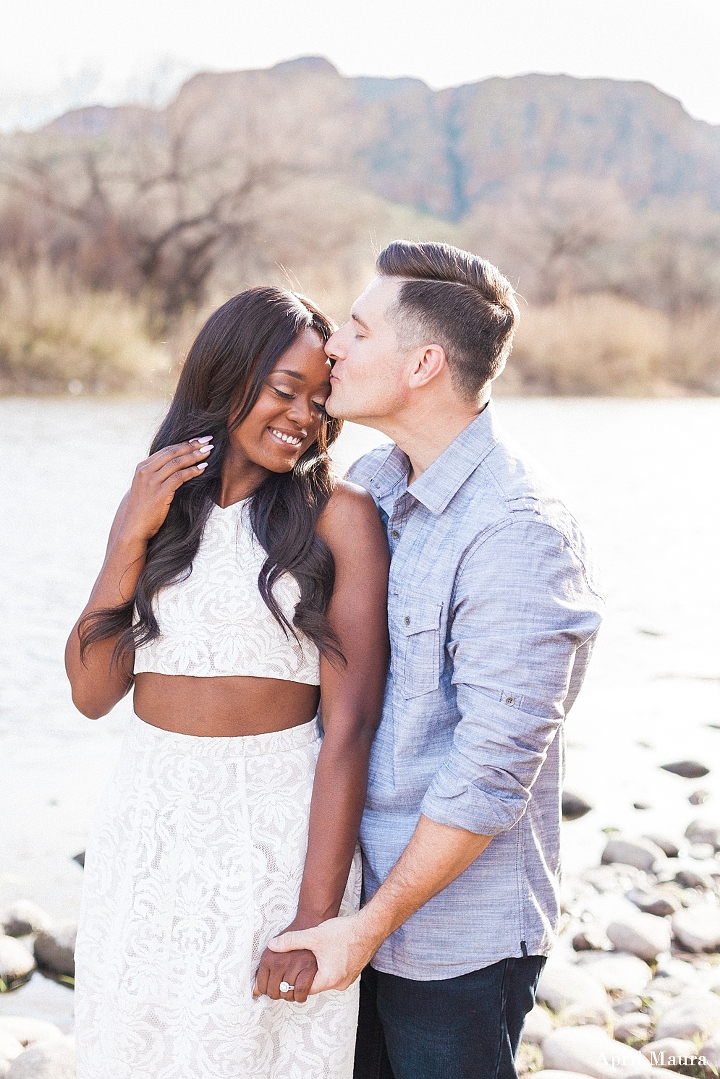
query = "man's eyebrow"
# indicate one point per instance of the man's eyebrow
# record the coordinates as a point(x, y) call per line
point(356, 318)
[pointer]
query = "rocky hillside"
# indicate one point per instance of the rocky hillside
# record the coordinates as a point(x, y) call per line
point(439, 152)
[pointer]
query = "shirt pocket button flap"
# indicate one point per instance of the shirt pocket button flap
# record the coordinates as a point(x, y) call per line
point(420, 656)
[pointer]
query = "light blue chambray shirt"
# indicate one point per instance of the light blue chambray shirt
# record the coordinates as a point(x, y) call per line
point(494, 605)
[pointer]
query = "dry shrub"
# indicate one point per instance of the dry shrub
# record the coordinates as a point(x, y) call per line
point(592, 344)
point(54, 335)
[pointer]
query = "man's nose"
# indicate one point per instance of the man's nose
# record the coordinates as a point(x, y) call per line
point(333, 345)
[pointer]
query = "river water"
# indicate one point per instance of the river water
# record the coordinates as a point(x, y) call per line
point(640, 475)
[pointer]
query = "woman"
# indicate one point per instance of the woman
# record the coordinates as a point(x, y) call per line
point(242, 584)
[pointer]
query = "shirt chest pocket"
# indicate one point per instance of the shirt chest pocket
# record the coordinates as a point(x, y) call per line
point(417, 646)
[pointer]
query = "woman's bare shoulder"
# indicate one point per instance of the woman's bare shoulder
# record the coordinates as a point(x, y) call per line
point(350, 516)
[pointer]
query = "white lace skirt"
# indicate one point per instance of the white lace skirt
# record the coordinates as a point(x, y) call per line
point(194, 863)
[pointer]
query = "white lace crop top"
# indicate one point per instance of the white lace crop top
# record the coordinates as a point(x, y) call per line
point(215, 622)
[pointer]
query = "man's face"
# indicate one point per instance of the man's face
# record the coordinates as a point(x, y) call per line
point(367, 380)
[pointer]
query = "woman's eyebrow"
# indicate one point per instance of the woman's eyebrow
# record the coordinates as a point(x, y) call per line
point(293, 374)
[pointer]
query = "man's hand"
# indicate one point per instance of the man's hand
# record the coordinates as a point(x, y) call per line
point(342, 947)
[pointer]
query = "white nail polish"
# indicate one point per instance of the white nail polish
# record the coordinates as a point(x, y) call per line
point(206, 449)
point(205, 438)
point(203, 464)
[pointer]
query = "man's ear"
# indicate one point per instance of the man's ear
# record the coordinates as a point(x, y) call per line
point(428, 363)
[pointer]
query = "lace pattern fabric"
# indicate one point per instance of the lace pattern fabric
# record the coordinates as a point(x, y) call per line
point(194, 863)
point(215, 622)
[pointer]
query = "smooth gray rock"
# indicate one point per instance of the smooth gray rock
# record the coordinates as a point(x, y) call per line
point(591, 1051)
point(653, 901)
point(52, 1059)
point(699, 797)
point(627, 1005)
point(644, 935)
point(641, 853)
point(561, 985)
point(616, 877)
point(28, 1031)
point(675, 1053)
point(633, 1029)
point(16, 962)
point(574, 806)
point(590, 939)
point(686, 769)
point(697, 929)
point(23, 917)
point(695, 1014)
point(617, 971)
point(538, 1025)
point(704, 831)
point(55, 950)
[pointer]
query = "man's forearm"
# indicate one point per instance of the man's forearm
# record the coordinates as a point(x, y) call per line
point(434, 857)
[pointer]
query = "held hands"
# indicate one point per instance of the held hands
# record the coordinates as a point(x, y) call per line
point(155, 482)
point(296, 968)
point(342, 947)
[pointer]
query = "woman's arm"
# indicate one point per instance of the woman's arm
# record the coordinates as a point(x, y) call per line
point(352, 698)
point(98, 684)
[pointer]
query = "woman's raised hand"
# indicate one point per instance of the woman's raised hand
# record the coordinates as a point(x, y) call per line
point(155, 482)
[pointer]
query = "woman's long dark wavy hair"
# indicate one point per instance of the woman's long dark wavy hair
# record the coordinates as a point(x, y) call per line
point(222, 377)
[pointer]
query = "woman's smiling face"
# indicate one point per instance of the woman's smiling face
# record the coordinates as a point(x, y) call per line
point(287, 416)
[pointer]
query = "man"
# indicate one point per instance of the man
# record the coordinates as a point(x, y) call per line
point(493, 610)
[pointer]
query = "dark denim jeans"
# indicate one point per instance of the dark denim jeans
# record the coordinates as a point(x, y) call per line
point(463, 1028)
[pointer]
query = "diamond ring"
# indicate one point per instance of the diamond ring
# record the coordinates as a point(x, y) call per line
point(285, 988)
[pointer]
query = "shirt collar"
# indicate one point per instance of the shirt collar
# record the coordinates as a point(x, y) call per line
point(441, 481)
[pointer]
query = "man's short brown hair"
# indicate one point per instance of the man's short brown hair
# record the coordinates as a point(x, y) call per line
point(456, 300)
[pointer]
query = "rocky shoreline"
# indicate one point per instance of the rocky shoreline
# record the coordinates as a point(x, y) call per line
point(632, 988)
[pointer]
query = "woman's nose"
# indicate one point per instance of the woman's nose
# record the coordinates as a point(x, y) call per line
point(300, 411)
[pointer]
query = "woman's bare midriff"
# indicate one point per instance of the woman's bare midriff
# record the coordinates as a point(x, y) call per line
point(223, 707)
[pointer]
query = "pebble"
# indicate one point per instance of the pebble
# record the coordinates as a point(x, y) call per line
point(591, 1051)
point(538, 1025)
point(641, 853)
point(562, 985)
point(627, 1005)
point(634, 1028)
point(580, 1015)
point(26, 1030)
point(617, 972)
point(668, 846)
point(698, 927)
point(551, 1073)
point(24, 917)
point(654, 901)
point(590, 939)
point(691, 878)
point(695, 1014)
point(711, 1052)
point(704, 831)
point(51, 1059)
point(617, 877)
point(686, 769)
point(574, 806)
point(699, 797)
point(670, 1052)
point(55, 950)
point(16, 962)
point(645, 936)
point(9, 1047)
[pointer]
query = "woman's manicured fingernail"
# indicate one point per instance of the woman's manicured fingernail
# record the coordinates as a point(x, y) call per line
point(205, 449)
point(203, 464)
point(205, 438)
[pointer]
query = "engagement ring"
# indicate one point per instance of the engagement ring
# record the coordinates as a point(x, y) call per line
point(285, 988)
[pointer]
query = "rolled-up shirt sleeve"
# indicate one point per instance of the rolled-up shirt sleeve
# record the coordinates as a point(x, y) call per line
point(525, 610)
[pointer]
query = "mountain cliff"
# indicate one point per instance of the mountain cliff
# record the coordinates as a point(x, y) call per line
point(440, 152)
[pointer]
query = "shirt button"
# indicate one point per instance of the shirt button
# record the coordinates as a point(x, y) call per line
point(406, 619)
point(509, 700)
point(395, 534)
